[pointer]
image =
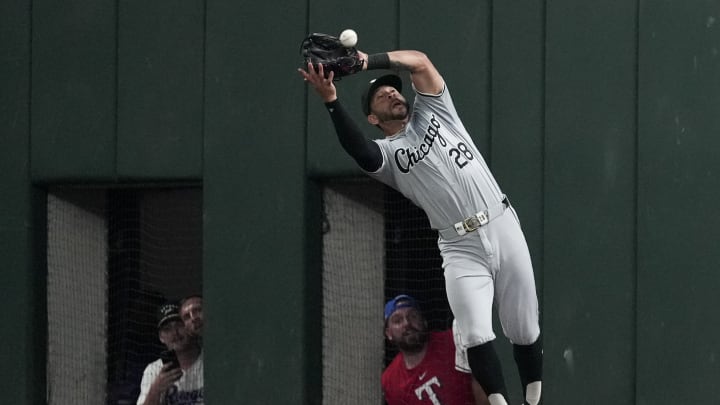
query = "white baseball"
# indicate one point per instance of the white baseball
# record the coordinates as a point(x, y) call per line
point(348, 38)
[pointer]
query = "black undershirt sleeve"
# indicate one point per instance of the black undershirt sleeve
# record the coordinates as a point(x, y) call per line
point(365, 152)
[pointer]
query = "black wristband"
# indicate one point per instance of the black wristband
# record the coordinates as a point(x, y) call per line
point(330, 105)
point(378, 61)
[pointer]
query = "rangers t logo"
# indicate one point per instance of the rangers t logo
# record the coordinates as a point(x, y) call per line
point(427, 388)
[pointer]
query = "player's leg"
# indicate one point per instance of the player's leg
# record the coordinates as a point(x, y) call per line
point(470, 292)
point(529, 361)
point(517, 303)
point(487, 370)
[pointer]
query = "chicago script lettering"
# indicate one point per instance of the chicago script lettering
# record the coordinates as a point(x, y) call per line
point(406, 158)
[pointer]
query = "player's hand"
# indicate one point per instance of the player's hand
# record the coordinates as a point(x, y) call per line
point(324, 86)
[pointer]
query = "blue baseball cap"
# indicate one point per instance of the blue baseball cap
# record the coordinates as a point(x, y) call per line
point(401, 301)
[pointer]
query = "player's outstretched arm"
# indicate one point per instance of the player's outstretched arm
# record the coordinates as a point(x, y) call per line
point(423, 73)
point(365, 152)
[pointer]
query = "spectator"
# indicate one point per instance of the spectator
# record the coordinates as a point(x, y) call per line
point(179, 380)
point(428, 369)
point(191, 312)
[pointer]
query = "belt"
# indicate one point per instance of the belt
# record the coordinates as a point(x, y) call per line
point(475, 221)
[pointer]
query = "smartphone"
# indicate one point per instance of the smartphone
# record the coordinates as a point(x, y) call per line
point(169, 356)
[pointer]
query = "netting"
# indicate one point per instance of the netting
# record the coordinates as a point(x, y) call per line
point(113, 257)
point(155, 256)
point(377, 245)
point(76, 298)
point(352, 292)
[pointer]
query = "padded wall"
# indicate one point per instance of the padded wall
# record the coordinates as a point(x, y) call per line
point(160, 78)
point(21, 278)
point(678, 190)
point(117, 91)
point(589, 198)
point(255, 210)
point(73, 89)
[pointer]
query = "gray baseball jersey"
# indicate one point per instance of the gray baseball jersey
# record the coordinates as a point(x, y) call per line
point(434, 163)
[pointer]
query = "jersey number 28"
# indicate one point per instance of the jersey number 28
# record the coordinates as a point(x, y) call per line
point(461, 154)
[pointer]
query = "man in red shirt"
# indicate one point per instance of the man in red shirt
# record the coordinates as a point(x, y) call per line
point(425, 371)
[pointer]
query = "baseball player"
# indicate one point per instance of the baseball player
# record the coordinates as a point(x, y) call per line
point(429, 157)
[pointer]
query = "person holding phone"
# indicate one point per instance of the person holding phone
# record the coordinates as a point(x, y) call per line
point(177, 376)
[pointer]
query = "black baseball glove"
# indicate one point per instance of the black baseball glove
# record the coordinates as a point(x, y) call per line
point(327, 50)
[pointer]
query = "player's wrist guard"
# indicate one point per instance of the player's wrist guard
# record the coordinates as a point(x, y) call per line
point(330, 105)
point(378, 61)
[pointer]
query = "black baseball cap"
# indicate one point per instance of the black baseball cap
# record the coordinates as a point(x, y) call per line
point(387, 80)
point(168, 312)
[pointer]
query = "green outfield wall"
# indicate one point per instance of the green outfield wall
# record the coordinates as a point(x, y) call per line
point(599, 119)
